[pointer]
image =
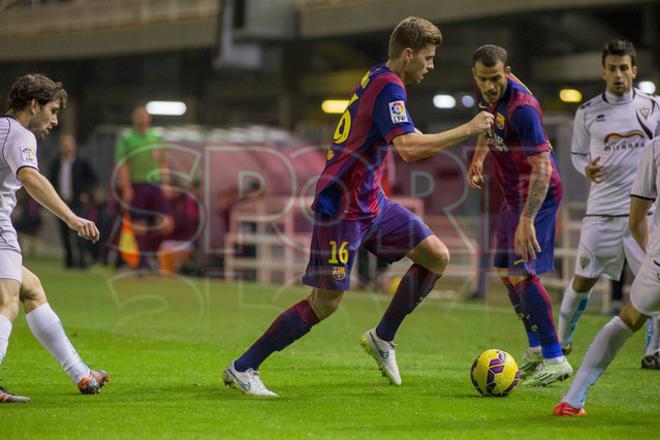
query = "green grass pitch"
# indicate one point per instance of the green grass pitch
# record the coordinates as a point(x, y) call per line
point(165, 342)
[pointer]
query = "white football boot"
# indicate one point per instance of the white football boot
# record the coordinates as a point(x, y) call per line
point(384, 354)
point(247, 382)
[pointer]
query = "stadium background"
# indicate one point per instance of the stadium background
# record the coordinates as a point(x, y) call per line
point(253, 75)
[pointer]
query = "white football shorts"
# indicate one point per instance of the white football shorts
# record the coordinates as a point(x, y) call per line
point(11, 265)
point(645, 289)
point(605, 242)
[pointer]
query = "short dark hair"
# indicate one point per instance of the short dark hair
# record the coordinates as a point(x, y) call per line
point(415, 33)
point(619, 48)
point(489, 55)
point(35, 86)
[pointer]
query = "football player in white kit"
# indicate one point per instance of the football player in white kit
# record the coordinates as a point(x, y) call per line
point(33, 104)
point(644, 293)
point(609, 135)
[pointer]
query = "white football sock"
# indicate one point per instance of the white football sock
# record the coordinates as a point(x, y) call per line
point(572, 306)
point(5, 331)
point(47, 328)
point(602, 351)
point(652, 340)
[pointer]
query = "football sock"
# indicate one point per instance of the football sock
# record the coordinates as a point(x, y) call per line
point(652, 329)
point(573, 306)
point(536, 302)
point(47, 328)
point(532, 336)
point(414, 286)
point(602, 351)
point(292, 324)
point(5, 331)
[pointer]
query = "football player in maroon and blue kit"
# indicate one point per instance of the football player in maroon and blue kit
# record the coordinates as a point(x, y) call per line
point(351, 210)
point(528, 174)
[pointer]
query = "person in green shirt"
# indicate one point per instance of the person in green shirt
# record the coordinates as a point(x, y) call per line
point(142, 170)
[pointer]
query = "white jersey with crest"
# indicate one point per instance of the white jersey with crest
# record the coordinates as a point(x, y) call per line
point(19, 149)
point(616, 129)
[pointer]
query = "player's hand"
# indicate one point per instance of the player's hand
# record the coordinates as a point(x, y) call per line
point(85, 228)
point(481, 123)
point(475, 175)
point(525, 239)
point(594, 171)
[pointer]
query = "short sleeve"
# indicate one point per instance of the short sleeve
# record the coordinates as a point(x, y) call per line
point(22, 152)
point(645, 180)
point(390, 114)
point(527, 124)
point(581, 140)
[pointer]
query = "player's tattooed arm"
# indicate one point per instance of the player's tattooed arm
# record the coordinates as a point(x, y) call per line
point(539, 180)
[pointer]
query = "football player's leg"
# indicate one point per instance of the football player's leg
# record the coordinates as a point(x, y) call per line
point(291, 325)
point(506, 261)
point(514, 296)
point(10, 284)
point(635, 257)
point(602, 351)
point(46, 326)
point(398, 233)
point(537, 303)
point(9, 293)
point(573, 305)
point(333, 250)
point(430, 259)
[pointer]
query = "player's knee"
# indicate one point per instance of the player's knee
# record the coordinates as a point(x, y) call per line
point(583, 285)
point(438, 257)
point(632, 317)
point(324, 302)
point(32, 291)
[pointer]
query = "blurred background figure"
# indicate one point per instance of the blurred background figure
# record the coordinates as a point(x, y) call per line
point(176, 250)
point(141, 176)
point(75, 180)
point(27, 221)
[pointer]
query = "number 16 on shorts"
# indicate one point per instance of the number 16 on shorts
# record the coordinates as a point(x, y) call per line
point(339, 255)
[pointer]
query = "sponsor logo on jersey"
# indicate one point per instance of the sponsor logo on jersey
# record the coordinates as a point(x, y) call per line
point(629, 141)
point(483, 106)
point(28, 155)
point(339, 273)
point(499, 121)
point(330, 155)
point(495, 141)
point(398, 112)
point(600, 118)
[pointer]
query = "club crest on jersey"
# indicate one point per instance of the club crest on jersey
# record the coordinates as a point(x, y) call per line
point(398, 112)
point(339, 273)
point(629, 141)
point(584, 261)
point(28, 155)
point(499, 121)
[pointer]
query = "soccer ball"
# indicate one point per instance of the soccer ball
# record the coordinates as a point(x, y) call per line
point(495, 373)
